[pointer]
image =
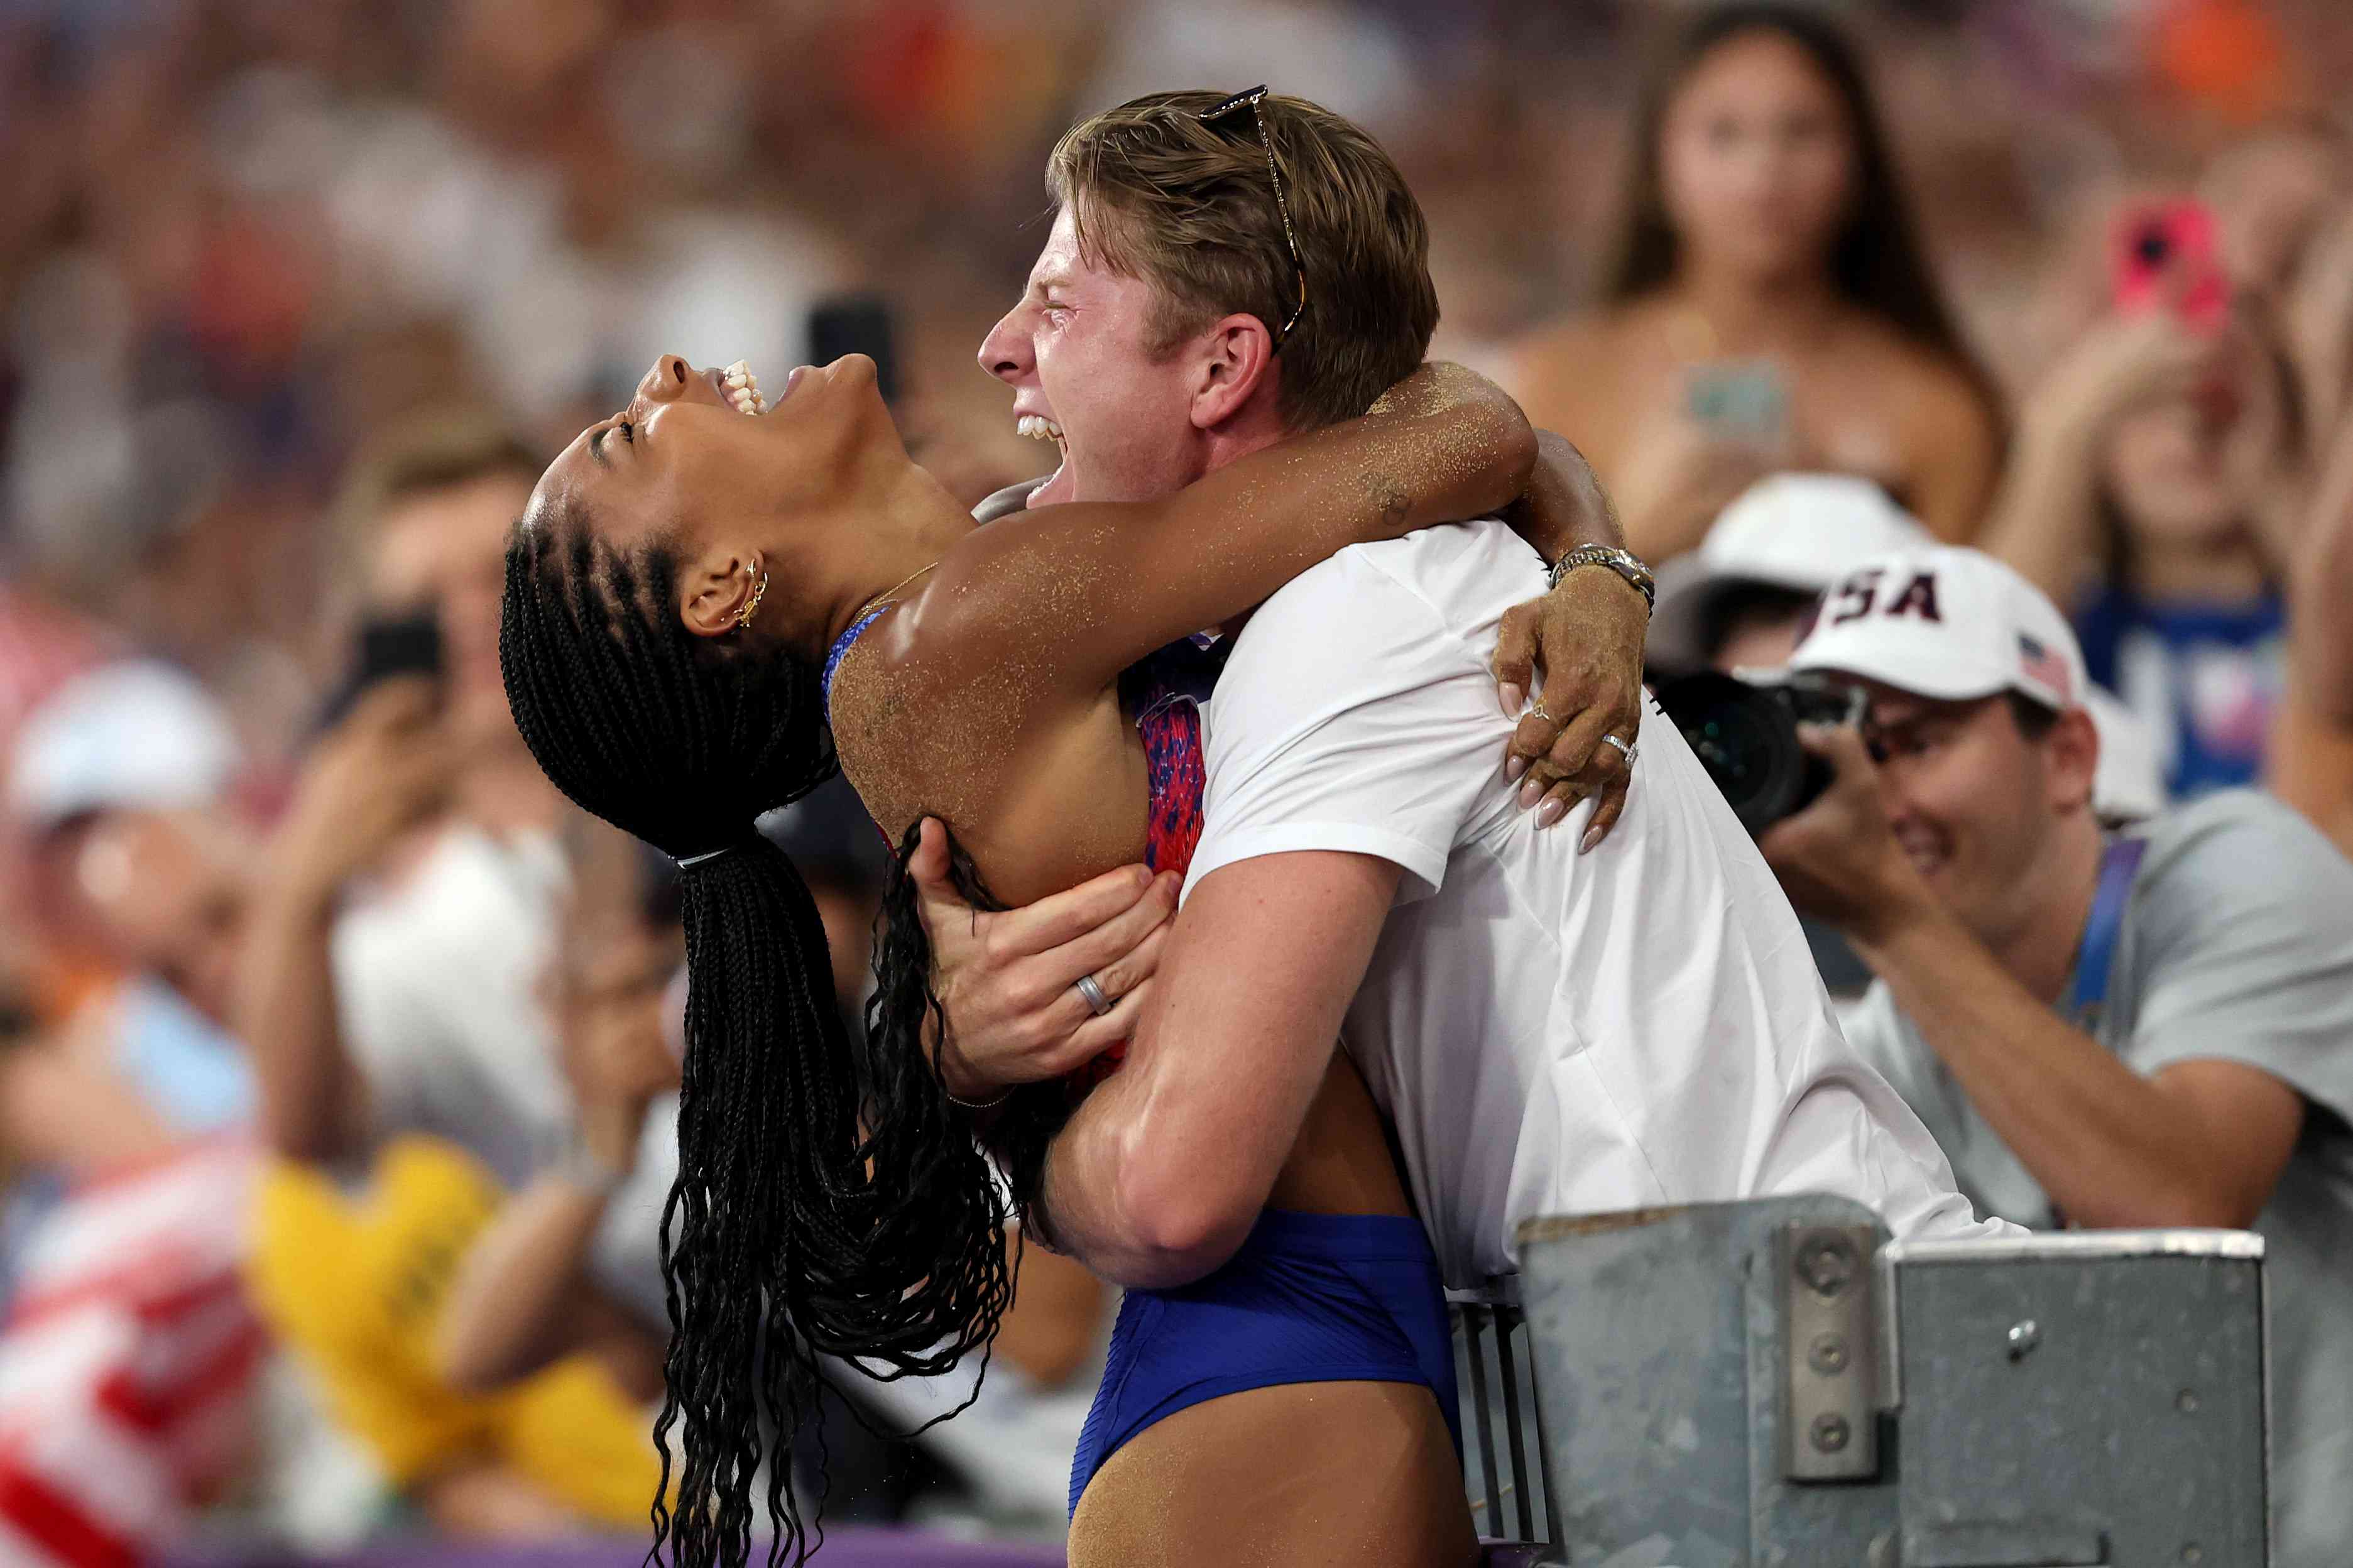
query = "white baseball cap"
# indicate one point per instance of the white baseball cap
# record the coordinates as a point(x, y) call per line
point(1992, 631)
point(1948, 624)
point(128, 736)
point(1796, 531)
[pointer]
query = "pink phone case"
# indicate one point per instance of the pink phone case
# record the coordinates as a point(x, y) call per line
point(2166, 252)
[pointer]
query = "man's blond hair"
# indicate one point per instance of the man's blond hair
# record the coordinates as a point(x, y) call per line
point(427, 452)
point(1158, 193)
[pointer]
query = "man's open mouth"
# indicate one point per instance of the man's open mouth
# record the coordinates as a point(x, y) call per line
point(1925, 850)
point(1038, 428)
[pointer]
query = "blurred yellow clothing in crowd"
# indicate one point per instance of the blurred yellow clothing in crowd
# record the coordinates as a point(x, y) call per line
point(355, 1283)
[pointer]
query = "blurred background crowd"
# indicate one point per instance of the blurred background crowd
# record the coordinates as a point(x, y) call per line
point(334, 1070)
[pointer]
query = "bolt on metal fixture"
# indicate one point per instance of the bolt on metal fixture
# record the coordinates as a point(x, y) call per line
point(1830, 1433)
point(1827, 1355)
point(1827, 1265)
point(2024, 1335)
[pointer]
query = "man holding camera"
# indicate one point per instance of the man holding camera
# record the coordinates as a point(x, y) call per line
point(2152, 1029)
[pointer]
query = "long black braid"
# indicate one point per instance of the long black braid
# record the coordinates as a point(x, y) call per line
point(829, 1198)
point(903, 1011)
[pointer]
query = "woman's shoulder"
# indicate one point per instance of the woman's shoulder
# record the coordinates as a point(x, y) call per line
point(1571, 372)
point(1921, 374)
point(1940, 431)
point(1565, 344)
point(891, 698)
point(936, 710)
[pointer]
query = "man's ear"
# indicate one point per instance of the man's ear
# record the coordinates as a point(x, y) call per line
point(1234, 365)
point(2072, 748)
point(714, 587)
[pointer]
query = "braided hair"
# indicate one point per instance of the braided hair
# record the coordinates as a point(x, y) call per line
point(830, 1200)
point(904, 1011)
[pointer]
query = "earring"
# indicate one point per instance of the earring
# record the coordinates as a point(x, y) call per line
point(743, 616)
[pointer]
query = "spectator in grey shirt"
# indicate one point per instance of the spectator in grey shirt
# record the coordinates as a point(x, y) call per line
point(2153, 1028)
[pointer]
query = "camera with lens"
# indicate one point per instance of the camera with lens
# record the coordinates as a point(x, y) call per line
point(1745, 734)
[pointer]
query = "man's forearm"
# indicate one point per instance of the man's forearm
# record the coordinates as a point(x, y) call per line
point(2110, 1147)
point(1163, 1170)
point(1099, 1208)
point(286, 1015)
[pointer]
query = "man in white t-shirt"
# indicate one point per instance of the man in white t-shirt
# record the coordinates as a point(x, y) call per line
point(1550, 1032)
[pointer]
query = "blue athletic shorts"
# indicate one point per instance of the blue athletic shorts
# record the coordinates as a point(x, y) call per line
point(1310, 1298)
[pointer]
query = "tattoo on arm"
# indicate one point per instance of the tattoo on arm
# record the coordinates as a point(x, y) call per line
point(1394, 500)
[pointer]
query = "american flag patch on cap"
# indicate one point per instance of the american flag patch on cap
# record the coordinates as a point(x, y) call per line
point(2038, 663)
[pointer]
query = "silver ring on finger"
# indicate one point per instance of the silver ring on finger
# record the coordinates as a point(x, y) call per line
point(1097, 1002)
point(1626, 747)
point(1536, 710)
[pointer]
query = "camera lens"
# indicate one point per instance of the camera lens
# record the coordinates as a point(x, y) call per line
point(1746, 738)
point(1735, 741)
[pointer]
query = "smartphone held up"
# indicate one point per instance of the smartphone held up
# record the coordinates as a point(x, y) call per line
point(387, 647)
point(2166, 258)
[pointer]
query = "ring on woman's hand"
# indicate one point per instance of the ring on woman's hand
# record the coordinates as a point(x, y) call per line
point(1536, 710)
point(1097, 1002)
point(1625, 746)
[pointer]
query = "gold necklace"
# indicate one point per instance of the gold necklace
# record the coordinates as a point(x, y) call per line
point(882, 600)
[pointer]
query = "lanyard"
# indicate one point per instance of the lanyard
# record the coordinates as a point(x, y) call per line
point(2089, 989)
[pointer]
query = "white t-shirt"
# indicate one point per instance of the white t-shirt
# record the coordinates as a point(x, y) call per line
point(437, 988)
point(440, 987)
point(1550, 1033)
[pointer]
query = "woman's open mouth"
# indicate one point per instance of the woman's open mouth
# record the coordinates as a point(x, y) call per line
point(740, 388)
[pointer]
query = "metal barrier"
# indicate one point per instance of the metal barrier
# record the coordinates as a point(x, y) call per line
point(1772, 1382)
point(1498, 1384)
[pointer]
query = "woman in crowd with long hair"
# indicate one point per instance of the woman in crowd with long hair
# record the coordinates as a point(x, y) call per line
point(689, 594)
point(2158, 493)
point(1770, 306)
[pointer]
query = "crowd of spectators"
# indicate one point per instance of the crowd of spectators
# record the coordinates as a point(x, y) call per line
point(337, 1052)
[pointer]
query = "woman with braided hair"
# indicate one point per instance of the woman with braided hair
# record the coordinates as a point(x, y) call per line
point(686, 590)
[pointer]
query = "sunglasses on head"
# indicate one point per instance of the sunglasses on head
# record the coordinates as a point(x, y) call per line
point(1250, 99)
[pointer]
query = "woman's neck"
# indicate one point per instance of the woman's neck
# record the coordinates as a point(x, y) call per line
point(2221, 569)
point(913, 525)
point(1749, 312)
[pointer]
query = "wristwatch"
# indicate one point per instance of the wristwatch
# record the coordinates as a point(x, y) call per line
point(1624, 562)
